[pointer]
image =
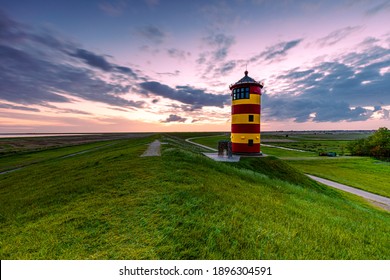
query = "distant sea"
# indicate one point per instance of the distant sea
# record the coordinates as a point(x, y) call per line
point(10, 135)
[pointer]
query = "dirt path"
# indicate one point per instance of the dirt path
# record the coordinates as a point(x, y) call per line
point(378, 200)
point(153, 149)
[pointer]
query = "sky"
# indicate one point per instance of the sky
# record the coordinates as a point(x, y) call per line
point(165, 65)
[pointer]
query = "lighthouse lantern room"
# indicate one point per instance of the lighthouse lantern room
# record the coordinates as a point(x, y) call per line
point(246, 105)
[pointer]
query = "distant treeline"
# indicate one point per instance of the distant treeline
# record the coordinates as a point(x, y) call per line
point(376, 145)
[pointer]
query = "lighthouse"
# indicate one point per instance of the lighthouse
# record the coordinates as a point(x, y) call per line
point(246, 105)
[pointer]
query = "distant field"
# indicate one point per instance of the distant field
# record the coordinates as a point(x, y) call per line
point(363, 173)
point(26, 151)
point(113, 204)
point(18, 145)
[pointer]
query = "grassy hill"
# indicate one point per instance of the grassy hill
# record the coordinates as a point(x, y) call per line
point(112, 204)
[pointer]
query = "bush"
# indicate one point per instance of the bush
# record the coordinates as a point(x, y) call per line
point(376, 145)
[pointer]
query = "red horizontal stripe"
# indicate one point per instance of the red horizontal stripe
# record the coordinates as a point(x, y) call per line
point(255, 90)
point(244, 148)
point(246, 109)
point(245, 128)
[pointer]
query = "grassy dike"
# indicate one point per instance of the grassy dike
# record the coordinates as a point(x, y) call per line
point(112, 204)
point(360, 172)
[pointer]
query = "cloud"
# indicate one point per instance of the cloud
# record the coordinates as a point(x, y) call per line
point(152, 33)
point(184, 94)
point(113, 9)
point(92, 59)
point(176, 53)
point(221, 44)
point(276, 51)
point(385, 5)
point(174, 74)
point(47, 72)
point(174, 118)
point(100, 62)
point(341, 90)
point(337, 35)
point(227, 67)
point(67, 110)
point(15, 107)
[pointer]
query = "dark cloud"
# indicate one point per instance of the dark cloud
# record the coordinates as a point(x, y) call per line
point(176, 53)
point(337, 35)
point(174, 118)
point(39, 74)
point(277, 51)
point(92, 59)
point(184, 94)
point(67, 111)
point(152, 33)
point(221, 44)
point(15, 107)
point(100, 62)
point(333, 91)
point(227, 68)
point(174, 74)
point(385, 5)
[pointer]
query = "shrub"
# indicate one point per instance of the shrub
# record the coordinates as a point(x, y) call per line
point(376, 145)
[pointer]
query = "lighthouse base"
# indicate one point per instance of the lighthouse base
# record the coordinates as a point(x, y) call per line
point(243, 148)
point(260, 154)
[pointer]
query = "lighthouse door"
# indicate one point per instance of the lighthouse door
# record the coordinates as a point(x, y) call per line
point(250, 142)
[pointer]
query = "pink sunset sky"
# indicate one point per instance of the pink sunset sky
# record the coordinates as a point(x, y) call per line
point(160, 65)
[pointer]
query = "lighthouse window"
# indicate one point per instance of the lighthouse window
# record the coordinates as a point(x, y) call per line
point(241, 93)
point(250, 118)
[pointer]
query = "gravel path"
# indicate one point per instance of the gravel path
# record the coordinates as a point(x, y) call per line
point(153, 149)
point(378, 200)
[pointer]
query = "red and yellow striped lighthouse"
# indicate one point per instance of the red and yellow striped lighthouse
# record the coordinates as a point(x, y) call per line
point(246, 104)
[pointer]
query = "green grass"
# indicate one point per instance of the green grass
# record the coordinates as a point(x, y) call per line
point(317, 146)
point(112, 204)
point(212, 141)
point(282, 153)
point(360, 172)
point(13, 161)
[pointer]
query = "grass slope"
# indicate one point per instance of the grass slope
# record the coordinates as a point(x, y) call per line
point(360, 172)
point(113, 204)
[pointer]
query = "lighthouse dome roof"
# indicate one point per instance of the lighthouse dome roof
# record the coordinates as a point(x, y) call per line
point(246, 80)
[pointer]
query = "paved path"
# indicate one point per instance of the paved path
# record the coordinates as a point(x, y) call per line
point(200, 145)
point(153, 149)
point(378, 200)
point(284, 148)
